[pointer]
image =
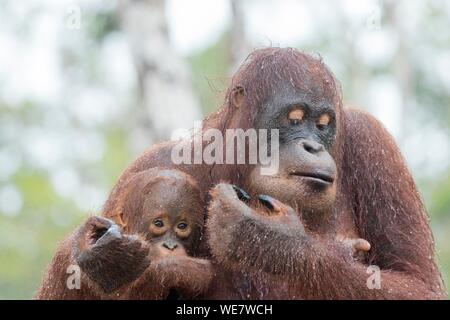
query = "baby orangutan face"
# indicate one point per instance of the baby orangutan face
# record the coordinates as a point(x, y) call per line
point(165, 207)
point(173, 231)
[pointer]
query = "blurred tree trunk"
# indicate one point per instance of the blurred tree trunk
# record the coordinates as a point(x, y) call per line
point(402, 66)
point(239, 44)
point(164, 78)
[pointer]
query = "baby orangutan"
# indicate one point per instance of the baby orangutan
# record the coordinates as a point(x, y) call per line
point(141, 249)
point(167, 208)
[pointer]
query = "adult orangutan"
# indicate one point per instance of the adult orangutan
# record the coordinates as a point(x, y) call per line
point(339, 169)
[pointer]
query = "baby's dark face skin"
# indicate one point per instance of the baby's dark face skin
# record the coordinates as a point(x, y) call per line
point(172, 216)
point(175, 228)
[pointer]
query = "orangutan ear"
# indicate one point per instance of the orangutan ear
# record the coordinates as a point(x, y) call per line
point(237, 96)
point(118, 218)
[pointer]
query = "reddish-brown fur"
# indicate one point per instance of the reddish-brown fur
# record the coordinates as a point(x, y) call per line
point(125, 260)
point(376, 200)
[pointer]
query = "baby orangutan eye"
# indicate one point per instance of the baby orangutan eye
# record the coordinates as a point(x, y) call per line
point(158, 223)
point(295, 116)
point(182, 225)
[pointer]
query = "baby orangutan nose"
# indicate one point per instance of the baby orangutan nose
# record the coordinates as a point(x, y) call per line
point(170, 244)
point(171, 247)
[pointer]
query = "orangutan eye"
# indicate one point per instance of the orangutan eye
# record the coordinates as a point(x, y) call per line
point(295, 116)
point(182, 225)
point(158, 223)
point(324, 121)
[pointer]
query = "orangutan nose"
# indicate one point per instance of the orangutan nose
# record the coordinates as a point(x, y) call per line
point(312, 146)
point(171, 245)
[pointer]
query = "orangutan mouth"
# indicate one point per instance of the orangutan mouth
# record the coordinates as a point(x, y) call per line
point(317, 175)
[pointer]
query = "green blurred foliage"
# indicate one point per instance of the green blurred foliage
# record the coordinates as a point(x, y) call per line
point(209, 73)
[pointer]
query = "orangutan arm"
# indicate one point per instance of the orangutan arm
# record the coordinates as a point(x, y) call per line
point(241, 238)
point(187, 276)
point(104, 258)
